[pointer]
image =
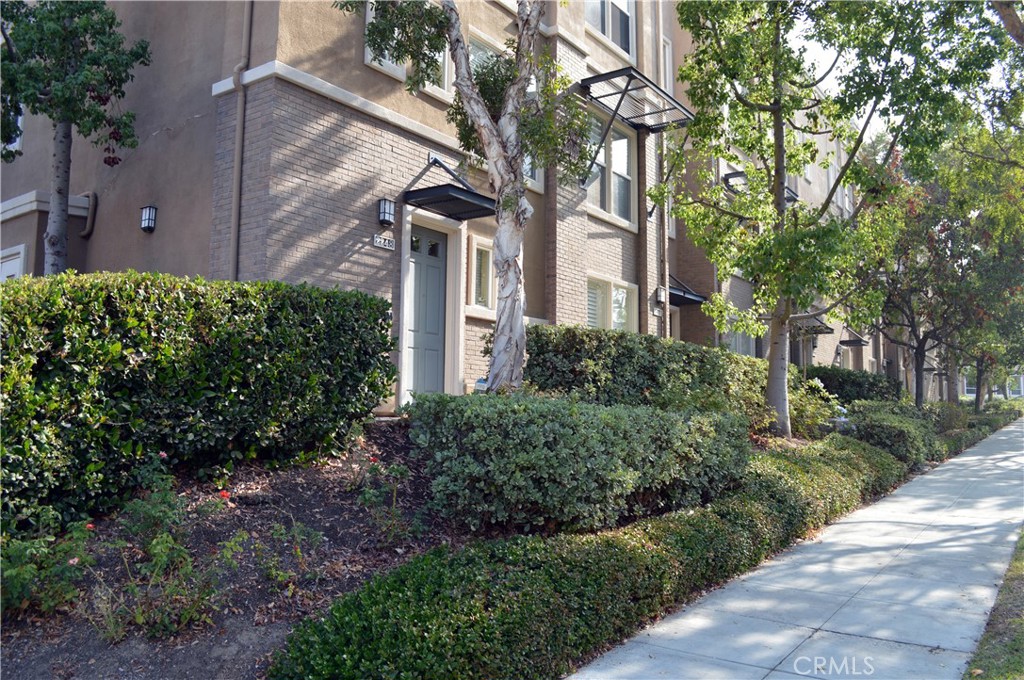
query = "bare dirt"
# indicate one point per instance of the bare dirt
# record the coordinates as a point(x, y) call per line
point(282, 575)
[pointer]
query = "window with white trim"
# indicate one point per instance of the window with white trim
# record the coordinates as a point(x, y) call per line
point(16, 144)
point(742, 343)
point(668, 72)
point(482, 289)
point(385, 65)
point(670, 220)
point(611, 187)
point(444, 86)
point(479, 53)
point(614, 20)
point(612, 305)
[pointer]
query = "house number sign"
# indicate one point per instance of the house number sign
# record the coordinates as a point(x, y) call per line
point(383, 242)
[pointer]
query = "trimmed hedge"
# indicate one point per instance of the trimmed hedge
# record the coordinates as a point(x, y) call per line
point(850, 386)
point(531, 461)
point(103, 371)
point(616, 367)
point(911, 440)
point(531, 607)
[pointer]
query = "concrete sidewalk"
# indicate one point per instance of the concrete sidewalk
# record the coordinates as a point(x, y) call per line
point(898, 590)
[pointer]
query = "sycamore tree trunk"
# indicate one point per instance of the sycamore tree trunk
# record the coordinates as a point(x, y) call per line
point(953, 393)
point(777, 390)
point(55, 240)
point(508, 353)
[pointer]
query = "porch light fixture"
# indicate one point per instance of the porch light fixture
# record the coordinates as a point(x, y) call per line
point(148, 219)
point(386, 212)
point(659, 295)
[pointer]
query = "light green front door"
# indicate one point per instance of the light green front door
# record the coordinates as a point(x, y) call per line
point(428, 260)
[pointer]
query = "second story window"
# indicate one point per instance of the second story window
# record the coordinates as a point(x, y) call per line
point(612, 187)
point(613, 19)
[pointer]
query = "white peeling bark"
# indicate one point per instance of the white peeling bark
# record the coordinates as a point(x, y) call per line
point(55, 240)
point(502, 148)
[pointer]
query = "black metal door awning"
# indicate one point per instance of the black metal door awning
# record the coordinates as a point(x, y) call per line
point(616, 93)
point(451, 201)
point(813, 326)
point(459, 203)
point(680, 294)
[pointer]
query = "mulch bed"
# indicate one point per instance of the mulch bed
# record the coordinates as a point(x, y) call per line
point(273, 587)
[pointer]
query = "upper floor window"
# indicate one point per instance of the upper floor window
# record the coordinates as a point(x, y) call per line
point(385, 64)
point(612, 180)
point(668, 72)
point(614, 19)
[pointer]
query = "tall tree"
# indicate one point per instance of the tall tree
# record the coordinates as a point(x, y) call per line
point(760, 105)
point(514, 106)
point(68, 62)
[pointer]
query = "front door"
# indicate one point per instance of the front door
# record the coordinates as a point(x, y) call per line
point(428, 269)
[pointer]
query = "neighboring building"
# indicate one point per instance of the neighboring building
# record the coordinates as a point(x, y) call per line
point(326, 134)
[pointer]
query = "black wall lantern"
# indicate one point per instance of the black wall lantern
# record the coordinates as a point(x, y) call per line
point(148, 219)
point(386, 212)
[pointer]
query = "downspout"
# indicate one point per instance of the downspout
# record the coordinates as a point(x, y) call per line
point(236, 169)
point(90, 221)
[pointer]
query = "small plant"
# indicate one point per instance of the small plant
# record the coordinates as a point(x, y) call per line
point(41, 571)
point(380, 498)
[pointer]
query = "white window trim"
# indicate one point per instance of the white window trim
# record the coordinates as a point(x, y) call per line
point(668, 80)
point(396, 71)
point(594, 210)
point(15, 253)
point(634, 291)
point(455, 281)
point(16, 144)
point(598, 35)
point(474, 310)
point(445, 94)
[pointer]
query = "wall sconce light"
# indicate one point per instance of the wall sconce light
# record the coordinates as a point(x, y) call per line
point(148, 219)
point(386, 212)
point(659, 296)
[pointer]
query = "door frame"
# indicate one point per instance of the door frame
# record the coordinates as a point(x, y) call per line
point(455, 296)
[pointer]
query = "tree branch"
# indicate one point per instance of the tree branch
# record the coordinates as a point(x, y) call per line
point(1011, 20)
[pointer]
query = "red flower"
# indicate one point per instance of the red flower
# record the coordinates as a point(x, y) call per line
point(90, 526)
point(163, 455)
point(225, 494)
point(373, 459)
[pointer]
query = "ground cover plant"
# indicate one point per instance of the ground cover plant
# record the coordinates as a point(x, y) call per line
point(1000, 653)
point(103, 371)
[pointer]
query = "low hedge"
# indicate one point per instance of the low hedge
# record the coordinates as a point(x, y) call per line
point(911, 440)
point(103, 371)
point(850, 385)
point(530, 461)
point(533, 607)
point(616, 367)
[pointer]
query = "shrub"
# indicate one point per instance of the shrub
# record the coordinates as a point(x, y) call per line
point(911, 440)
point(850, 386)
point(946, 416)
point(531, 607)
point(533, 461)
point(955, 441)
point(616, 367)
point(101, 371)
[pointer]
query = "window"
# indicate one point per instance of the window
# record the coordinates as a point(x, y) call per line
point(483, 277)
point(16, 144)
point(668, 72)
point(443, 87)
point(613, 19)
point(611, 305)
point(611, 186)
point(385, 65)
point(479, 53)
point(670, 220)
point(741, 343)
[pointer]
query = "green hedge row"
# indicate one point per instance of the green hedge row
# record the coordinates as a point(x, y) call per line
point(102, 371)
point(529, 461)
point(850, 386)
point(533, 607)
point(615, 367)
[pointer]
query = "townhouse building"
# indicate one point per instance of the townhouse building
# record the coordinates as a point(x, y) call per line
point(272, 146)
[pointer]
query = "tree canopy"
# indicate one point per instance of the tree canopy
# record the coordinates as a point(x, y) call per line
point(68, 62)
